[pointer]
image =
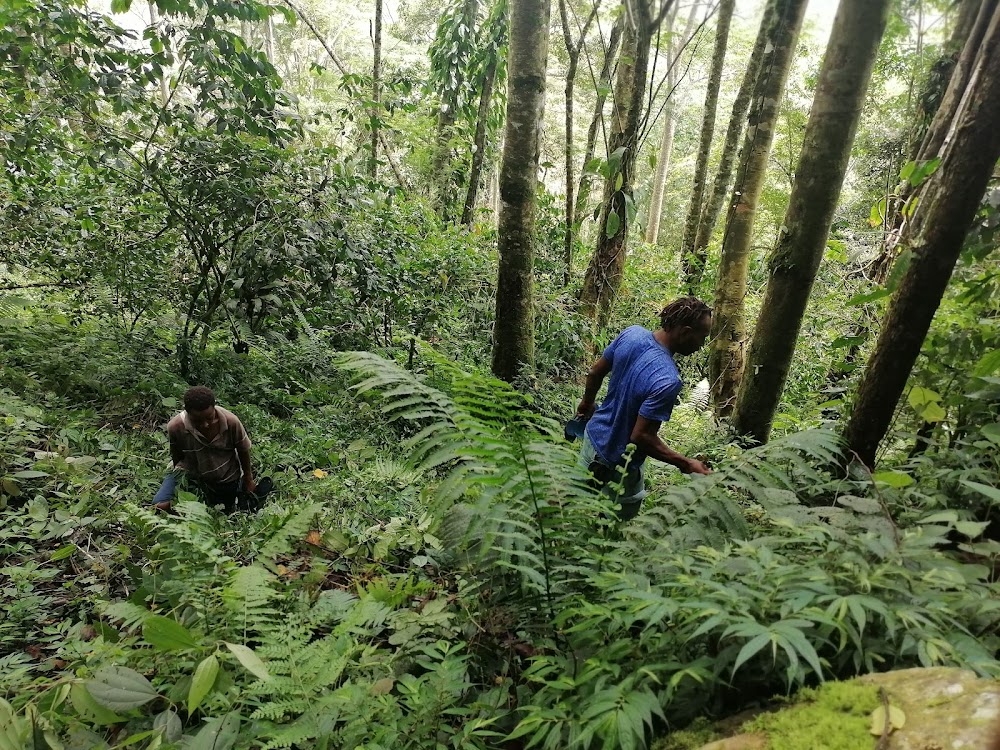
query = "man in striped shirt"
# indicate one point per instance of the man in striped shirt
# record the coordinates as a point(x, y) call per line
point(209, 446)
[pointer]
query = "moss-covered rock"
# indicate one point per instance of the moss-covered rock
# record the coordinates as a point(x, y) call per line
point(944, 709)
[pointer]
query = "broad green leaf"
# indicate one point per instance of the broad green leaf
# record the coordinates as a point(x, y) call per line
point(217, 734)
point(933, 413)
point(991, 432)
point(972, 529)
point(29, 474)
point(63, 552)
point(893, 478)
point(944, 516)
point(90, 709)
point(167, 634)
point(992, 493)
point(249, 660)
point(201, 683)
point(920, 397)
point(120, 688)
point(613, 225)
point(860, 299)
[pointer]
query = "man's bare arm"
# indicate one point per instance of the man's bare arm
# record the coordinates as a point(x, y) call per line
point(244, 455)
point(595, 378)
point(646, 438)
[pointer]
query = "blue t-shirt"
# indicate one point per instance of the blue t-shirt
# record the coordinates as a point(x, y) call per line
point(644, 382)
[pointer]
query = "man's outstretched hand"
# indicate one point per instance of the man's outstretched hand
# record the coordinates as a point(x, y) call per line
point(694, 466)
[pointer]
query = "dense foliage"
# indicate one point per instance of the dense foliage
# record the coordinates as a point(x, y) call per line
point(192, 202)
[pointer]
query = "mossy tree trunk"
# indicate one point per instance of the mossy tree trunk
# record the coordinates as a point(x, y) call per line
point(694, 263)
point(514, 335)
point(826, 151)
point(954, 193)
point(729, 327)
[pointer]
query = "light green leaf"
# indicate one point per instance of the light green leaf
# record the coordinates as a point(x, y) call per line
point(897, 720)
point(201, 683)
point(933, 413)
point(613, 225)
point(971, 529)
point(29, 474)
point(920, 397)
point(167, 634)
point(988, 364)
point(893, 478)
point(120, 688)
point(249, 660)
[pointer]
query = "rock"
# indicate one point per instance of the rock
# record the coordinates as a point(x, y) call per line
point(946, 708)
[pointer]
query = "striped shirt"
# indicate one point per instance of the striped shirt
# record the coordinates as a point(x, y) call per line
point(212, 460)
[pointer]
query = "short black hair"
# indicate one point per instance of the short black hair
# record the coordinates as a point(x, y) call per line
point(686, 311)
point(198, 398)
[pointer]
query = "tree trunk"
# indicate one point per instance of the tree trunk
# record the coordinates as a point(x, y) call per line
point(954, 194)
point(603, 86)
point(826, 151)
point(514, 335)
point(479, 142)
point(694, 269)
point(573, 50)
point(269, 39)
point(604, 274)
point(691, 224)
point(669, 128)
point(729, 329)
point(376, 85)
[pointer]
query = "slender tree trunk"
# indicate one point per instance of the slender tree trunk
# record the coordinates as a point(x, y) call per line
point(729, 328)
point(603, 87)
point(737, 125)
point(692, 223)
point(479, 142)
point(604, 274)
point(269, 39)
point(955, 191)
point(826, 151)
point(514, 335)
point(376, 85)
point(573, 50)
point(669, 127)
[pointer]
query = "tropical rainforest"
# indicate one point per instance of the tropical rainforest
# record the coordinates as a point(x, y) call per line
point(393, 236)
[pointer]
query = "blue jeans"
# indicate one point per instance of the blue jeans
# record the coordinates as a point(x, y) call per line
point(214, 493)
point(633, 484)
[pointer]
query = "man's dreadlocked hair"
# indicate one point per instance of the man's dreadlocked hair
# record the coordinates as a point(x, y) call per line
point(686, 311)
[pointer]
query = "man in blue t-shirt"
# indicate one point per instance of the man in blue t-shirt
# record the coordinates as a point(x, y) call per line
point(641, 394)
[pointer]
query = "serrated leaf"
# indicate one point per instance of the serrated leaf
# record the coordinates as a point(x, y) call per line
point(201, 684)
point(250, 661)
point(167, 634)
point(120, 688)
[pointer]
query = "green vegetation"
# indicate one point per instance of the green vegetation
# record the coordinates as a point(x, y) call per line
point(218, 196)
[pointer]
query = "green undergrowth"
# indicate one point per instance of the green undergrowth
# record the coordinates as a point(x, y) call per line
point(433, 570)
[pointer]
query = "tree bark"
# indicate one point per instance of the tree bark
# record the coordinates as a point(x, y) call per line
point(691, 224)
point(729, 328)
point(695, 267)
point(955, 191)
point(603, 85)
point(513, 335)
point(376, 85)
point(604, 273)
point(479, 142)
point(819, 177)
